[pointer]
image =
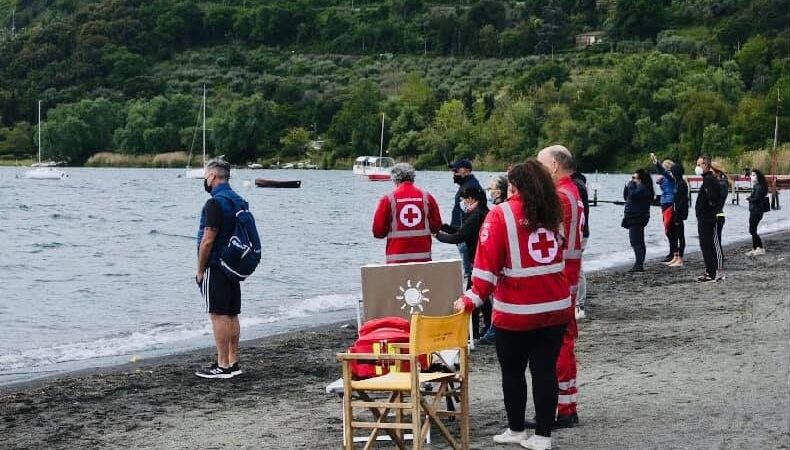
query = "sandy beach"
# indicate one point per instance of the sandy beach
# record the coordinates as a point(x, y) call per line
point(664, 362)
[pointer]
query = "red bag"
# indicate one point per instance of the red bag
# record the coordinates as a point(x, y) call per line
point(377, 336)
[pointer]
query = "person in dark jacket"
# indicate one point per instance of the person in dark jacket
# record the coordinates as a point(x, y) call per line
point(638, 195)
point(667, 183)
point(581, 294)
point(706, 209)
point(680, 206)
point(758, 201)
point(463, 177)
point(473, 204)
point(724, 190)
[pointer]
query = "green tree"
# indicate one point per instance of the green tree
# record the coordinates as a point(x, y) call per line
point(355, 129)
point(247, 129)
point(754, 54)
point(716, 140)
point(638, 19)
point(75, 131)
point(295, 142)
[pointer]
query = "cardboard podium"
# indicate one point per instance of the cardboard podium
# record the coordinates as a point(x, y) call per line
point(429, 288)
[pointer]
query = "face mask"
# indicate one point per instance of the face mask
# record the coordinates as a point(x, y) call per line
point(464, 206)
point(458, 179)
point(490, 196)
point(206, 186)
point(754, 179)
point(698, 170)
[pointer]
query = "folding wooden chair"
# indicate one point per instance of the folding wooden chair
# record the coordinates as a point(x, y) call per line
point(400, 395)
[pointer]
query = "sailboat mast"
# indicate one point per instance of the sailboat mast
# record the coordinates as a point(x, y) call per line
point(381, 146)
point(39, 131)
point(204, 125)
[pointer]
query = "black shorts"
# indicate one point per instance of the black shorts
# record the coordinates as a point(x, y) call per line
point(221, 294)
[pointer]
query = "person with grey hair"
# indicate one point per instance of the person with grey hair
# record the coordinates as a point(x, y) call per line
point(559, 161)
point(221, 294)
point(406, 217)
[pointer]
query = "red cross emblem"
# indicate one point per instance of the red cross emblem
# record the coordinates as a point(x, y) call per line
point(410, 215)
point(542, 245)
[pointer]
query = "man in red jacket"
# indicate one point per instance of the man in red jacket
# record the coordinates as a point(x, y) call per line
point(407, 217)
point(559, 161)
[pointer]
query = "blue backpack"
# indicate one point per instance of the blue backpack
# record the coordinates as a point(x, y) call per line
point(243, 253)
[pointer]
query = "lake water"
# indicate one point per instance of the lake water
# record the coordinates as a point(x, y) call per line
point(99, 267)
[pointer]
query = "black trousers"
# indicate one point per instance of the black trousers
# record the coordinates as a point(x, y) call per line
point(719, 252)
point(636, 235)
point(539, 349)
point(679, 234)
point(754, 221)
point(707, 243)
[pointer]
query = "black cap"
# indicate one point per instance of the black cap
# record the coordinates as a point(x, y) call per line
point(461, 164)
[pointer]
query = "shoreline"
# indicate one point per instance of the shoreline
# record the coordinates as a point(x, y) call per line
point(696, 366)
point(37, 381)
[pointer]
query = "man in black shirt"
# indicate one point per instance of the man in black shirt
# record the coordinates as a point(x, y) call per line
point(221, 293)
point(706, 208)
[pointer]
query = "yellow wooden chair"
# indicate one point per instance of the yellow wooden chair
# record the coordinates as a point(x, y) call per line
point(399, 395)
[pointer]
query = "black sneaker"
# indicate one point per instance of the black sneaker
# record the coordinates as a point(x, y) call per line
point(214, 371)
point(568, 421)
point(636, 270)
point(706, 279)
point(234, 369)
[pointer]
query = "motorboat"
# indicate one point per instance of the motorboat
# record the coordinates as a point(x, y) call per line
point(266, 183)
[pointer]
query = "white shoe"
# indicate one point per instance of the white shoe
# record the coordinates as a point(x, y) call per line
point(536, 442)
point(580, 314)
point(751, 252)
point(758, 251)
point(510, 437)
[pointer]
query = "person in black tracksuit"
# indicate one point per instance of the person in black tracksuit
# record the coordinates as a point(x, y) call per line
point(638, 195)
point(475, 211)
point(706, 209)
point(757, 207)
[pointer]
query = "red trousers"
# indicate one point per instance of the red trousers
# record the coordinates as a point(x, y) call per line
point(566, 369)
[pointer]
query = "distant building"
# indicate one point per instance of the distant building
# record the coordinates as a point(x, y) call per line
point(585, 40)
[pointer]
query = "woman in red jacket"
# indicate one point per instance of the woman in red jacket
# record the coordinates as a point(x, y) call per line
point(519, 266)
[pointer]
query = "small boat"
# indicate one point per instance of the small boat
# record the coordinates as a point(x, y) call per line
point(254, 166)
point(43, 170)
point(264, 183)
point(201, 172)
point(379, 177)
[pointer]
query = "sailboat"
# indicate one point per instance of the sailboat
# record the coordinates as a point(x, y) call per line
point(199, 173)
point(43, 170)
point(376, 168)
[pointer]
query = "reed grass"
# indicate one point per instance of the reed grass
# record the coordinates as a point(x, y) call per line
point(161, 160)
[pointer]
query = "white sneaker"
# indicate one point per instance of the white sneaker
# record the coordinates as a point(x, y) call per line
point(510, 437)
point(580, 314)
point(536, 442)
point(751, 252)
point(758, 251)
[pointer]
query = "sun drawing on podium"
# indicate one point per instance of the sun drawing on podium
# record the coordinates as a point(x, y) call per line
point(412, 296)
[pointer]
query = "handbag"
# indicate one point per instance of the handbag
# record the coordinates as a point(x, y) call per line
point(765, 204)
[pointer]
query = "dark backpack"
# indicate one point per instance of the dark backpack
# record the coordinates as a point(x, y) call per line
point(681, 203)
point(243, 253)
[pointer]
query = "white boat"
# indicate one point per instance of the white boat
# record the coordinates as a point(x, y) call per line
point(378, 166)
point(201, 172)
point(43, 170)
point(254, 166)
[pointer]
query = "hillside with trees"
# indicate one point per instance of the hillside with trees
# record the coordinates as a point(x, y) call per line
point(489, 80)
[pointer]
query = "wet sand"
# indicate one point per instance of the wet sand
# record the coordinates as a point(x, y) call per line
point(664, 362)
